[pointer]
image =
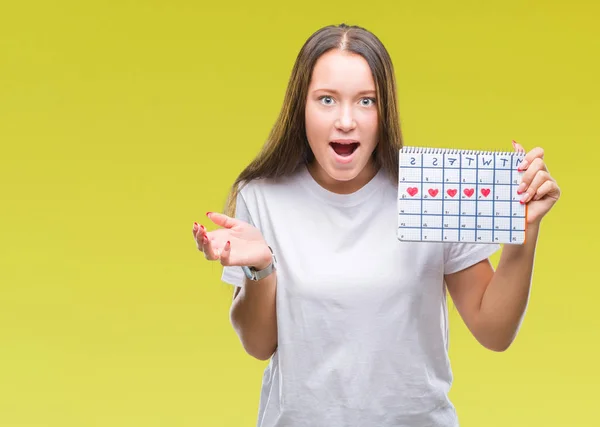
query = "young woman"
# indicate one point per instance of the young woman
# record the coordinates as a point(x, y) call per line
point(353, 320)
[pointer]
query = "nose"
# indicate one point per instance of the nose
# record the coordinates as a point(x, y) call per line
point(346, 121)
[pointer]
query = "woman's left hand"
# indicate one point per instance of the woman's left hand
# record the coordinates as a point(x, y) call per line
point(538, 189)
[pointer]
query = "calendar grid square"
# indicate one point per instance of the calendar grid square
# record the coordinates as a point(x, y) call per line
point(421, 219)
point(476, 180)
point(443, 176)
point(494, 202)
point(459, 198)
point(510, 236)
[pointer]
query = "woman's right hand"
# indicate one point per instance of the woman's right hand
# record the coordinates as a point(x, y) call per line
point(237, 243)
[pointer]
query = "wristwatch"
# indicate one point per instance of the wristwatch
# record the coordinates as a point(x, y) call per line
point(255, 275)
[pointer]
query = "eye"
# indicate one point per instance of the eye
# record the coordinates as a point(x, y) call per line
point(372, 100)
point(326, 97)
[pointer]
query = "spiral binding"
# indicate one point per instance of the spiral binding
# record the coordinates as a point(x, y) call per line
point(456, 151)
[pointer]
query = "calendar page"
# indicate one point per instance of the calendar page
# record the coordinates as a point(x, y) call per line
point(460, 196)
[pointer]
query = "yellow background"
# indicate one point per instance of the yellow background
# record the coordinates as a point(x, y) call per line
point(123, 122)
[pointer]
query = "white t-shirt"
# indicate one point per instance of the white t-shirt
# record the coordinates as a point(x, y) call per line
point(362, 317)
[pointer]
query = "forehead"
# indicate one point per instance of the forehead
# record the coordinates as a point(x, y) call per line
point(341, 69)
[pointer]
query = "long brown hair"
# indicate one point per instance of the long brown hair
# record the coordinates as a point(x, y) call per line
point(287, 146)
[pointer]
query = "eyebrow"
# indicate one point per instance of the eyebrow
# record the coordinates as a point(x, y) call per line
point(362, 92)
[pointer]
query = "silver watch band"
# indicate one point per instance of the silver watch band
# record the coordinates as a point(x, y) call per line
point(255, 275)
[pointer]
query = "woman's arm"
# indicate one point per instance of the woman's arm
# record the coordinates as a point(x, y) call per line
point(252, 312)
point(253, 316)
point(493, 304)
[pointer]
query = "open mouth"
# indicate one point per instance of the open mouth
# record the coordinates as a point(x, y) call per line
point(344, 149)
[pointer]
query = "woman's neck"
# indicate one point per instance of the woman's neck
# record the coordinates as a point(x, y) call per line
point(342, 187)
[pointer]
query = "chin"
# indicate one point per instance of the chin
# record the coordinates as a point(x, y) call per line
point(342, 168)
point(346, 174)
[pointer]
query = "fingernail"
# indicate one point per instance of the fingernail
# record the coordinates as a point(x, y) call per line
point(208, 213)
point(523, 165)
point(202, 227)
point(227, 245)
point(514, 144)
point(524, 198)
point(195, 224)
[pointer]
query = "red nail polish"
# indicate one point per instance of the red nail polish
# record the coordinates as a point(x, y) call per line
point(227, 244)
point(208, 213)
point(196, 224)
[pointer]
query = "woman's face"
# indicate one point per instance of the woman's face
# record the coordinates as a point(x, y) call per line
point(341, 121)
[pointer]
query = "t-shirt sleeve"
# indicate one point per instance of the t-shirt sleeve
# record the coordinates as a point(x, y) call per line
point(234, 275)
point(458, 256)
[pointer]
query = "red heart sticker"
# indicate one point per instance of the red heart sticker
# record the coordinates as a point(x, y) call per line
point(469, 192)
point(451, 192)
point(412, 190)
point(485, 192)
point(433, 192)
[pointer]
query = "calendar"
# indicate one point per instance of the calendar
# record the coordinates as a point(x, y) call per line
point(467, 196)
